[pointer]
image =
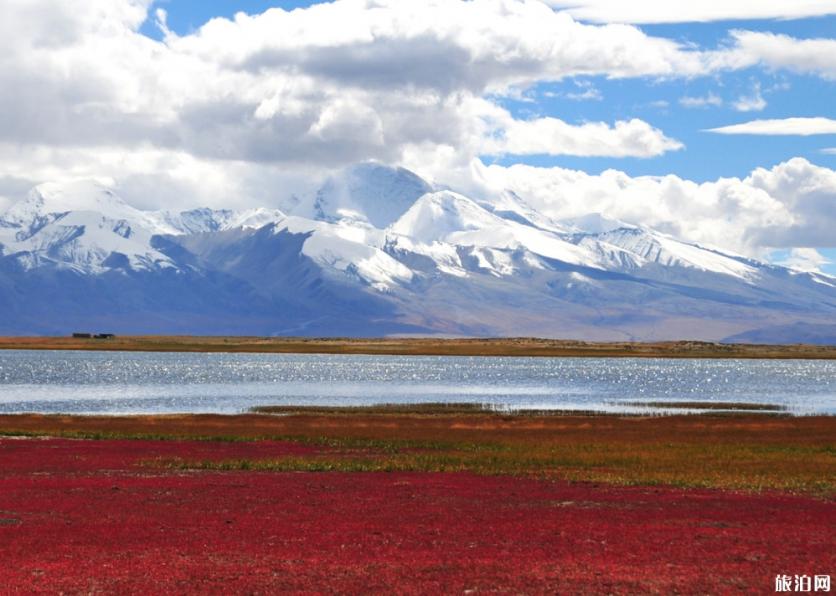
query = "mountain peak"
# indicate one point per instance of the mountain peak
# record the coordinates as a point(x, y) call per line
point(80, 195)
point(369, 192)
point(437, 215)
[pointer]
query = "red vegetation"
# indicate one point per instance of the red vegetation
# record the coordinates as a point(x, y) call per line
point(86, 516)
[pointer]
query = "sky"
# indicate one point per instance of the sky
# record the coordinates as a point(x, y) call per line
point(713, 121)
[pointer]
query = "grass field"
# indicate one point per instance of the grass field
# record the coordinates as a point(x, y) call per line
point(739, 451)
point(423, 500)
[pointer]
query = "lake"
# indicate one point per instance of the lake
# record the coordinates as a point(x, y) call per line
point(142, 382)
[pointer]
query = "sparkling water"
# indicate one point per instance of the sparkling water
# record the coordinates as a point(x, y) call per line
point(142, 382)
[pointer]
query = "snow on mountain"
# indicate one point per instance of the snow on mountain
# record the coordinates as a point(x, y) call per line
point(349, 247)
point(655, 248)
point(89, 242)
point(194, 221)
point(253, 218)
point(87, 227)
point(201, 221)
point(82, 226)
point(84, 195)
point(509, 205)
point(377, 250)
point(454, 219)
point(367, 192)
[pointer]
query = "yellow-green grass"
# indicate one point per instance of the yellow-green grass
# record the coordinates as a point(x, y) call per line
point(744, 451)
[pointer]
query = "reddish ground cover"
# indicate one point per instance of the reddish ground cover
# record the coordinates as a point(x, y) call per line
point(88, 516)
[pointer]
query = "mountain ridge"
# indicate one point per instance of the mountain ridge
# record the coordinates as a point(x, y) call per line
point(379, 251)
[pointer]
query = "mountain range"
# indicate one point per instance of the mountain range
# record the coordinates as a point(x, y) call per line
point(379, 251)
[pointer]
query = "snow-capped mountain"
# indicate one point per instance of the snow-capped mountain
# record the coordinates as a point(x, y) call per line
point(376, 251)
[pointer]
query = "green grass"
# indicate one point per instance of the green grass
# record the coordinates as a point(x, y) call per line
point(739, 452)
point(742, 468)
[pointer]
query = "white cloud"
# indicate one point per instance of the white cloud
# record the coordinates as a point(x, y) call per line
point(444, 44)
point(664, 11)
point(703, 101)
point(750, 103)
point(829, 151)
point(781, 52)
point(789, 205)
point(805, 259)
point(327, 85)
point(783, 126)
point(333, 83)
point(551, 136)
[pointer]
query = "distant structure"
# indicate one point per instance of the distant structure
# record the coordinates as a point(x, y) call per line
point(93, 336)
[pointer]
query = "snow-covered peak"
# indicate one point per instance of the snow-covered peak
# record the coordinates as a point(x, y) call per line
point(61, 204)
point(436, 216)
point(84, 195)
point(368, 192)
point(455, 219)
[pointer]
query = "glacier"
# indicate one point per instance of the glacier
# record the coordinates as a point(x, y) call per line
point(376, 251)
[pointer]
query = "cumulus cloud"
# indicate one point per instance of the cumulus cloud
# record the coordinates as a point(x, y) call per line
point(324, 86)
point(780, 126)
point(442, 45)
point(551, 136)
point(662, 11)
point(330, 84)
point(790, 205)
point(781, 52)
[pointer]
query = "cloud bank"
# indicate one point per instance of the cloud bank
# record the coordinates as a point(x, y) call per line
point(250, 110)
point(792, 204)
point(662, 11)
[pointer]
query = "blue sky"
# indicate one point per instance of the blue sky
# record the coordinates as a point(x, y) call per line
point(185, 16)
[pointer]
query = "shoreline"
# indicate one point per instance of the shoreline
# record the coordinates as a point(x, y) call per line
point(504, 347)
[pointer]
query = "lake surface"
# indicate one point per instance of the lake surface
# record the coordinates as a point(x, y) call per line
point(136, 382)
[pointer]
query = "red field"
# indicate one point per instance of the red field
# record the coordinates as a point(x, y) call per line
point(101, 516)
